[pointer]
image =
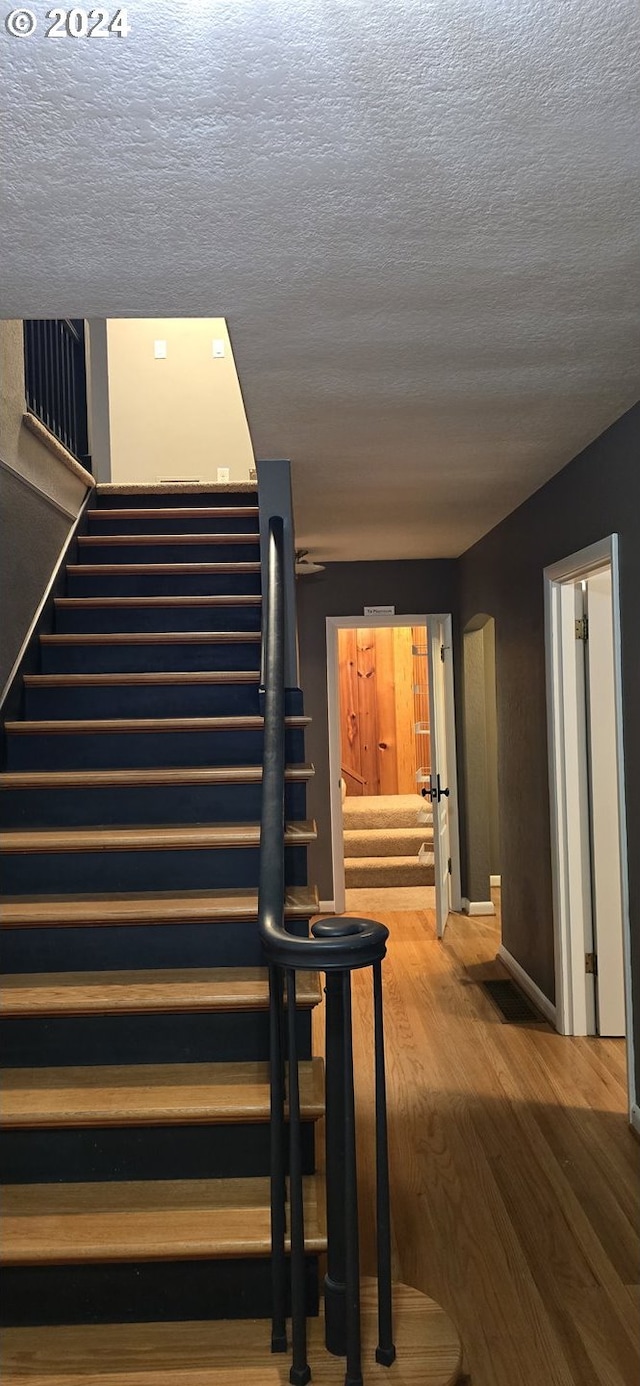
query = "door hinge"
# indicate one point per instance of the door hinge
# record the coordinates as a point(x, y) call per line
point(443, 650)
point(449, 865)
point(591, 964)
point(582, 628)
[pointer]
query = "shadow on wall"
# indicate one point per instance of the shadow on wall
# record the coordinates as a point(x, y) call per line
point(480, 748)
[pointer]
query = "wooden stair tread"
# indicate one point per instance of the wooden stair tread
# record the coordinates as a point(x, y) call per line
point(175, 837)
point(89, 603)
point(229, 1352)
point(149, 1094)
point(197, 775)
point(175, 569)
point(93, 727)
point(155, 637)
point(150, 992)
point(195, 677)
point(179, 512)
point(164, 540)
point(175, 487)
point(164, 1219)
point(164, 907)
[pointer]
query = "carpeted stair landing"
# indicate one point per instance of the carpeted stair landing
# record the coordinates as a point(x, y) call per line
point(382, 841)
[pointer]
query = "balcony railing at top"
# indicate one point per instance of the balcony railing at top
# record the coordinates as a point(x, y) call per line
point(337, 947)
point(56, 381)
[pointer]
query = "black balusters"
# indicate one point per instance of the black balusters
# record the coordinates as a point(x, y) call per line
point(56, 381)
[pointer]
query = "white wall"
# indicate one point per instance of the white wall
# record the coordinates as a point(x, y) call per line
point(180, 417)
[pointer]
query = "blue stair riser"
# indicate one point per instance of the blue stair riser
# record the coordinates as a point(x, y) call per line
point(148, 658)
point(160, 500)
point(123, 806)
point(56, 1042)
point(161, 618)
point(142, 700)
point(100, 522)
point(144, 1292)
point(233, 943)
point(78, 751)
point(52, 873)
point(244, 551)
point(236, 1150)
point(185, 584)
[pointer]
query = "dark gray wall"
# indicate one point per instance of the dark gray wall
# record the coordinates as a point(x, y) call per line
point(32, 534)
point(595, 495)
point(343, 589)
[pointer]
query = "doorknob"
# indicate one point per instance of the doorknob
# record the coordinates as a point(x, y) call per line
point(435, 793)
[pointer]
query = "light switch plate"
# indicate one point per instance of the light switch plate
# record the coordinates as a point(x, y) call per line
point(217, 347)
point(160, 350)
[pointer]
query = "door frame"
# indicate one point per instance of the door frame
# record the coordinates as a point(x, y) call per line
point(333, 625)
point(570, 844)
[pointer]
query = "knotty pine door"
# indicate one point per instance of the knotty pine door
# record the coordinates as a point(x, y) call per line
point(384, 709)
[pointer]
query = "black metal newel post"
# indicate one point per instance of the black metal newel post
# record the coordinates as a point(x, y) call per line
point(300, 1371)
point(353, 1376)
point(334, 1282)
point(385, 1351)
point(278, 1191)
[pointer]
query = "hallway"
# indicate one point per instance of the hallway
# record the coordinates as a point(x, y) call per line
point(514, 1174)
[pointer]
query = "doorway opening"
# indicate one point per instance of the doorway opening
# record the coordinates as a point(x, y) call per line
point(589, 844)
point(480, 739)
point(392, 764)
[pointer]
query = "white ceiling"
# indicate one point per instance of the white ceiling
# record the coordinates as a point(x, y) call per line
point(420, 218)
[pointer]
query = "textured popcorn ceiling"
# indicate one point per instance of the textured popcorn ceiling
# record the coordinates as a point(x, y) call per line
point(420, 220)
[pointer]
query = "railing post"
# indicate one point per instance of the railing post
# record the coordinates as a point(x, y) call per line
point(274, 499)
point(385, 1351)
point(353, 1375)
point(300, 1372)
point(335, 1289)
point(278, 1191)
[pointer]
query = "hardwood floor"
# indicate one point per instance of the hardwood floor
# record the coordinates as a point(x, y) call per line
point(514, 1174)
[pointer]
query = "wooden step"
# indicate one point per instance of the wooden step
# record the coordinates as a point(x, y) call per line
point(155, 637)
point(179, 512)
point(166, 907)
point(163, 541)
point(230, 1352)
point(127, 603)
point(119, 725)
point(173, 569)
point(196, 1219)
point(198, 837)
point(149, 1094)
point(217, 676)
point(146, 992)
point(175, 488)
point(135, 779)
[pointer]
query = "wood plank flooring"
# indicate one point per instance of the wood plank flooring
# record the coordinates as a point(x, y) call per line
point(515, 1185)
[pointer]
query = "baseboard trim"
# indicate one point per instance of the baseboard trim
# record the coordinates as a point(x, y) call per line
point(634, 1119)
point(495, 881)
point(327, 906)
point(528, 986)
point(478, 907)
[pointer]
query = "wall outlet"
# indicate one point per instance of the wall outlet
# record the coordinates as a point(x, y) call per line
point(217, 348)
point(223, 473)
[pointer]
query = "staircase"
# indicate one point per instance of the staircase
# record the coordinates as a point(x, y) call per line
point(135, 1152)
point(143, 1170)
point(388, 841)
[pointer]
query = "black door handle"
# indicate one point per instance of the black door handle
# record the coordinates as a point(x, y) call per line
point(437, 793)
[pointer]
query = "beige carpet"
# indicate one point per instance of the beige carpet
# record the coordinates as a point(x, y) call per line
point(372, 901)
point(383, 837)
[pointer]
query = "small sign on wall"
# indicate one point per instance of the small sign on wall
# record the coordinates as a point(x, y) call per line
point(379, 611)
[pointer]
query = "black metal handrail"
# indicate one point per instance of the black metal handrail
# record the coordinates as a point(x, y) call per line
point(337, 947)
point(56, 381)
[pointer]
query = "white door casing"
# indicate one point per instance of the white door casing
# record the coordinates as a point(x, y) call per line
point(440, 773)
point(605, 825)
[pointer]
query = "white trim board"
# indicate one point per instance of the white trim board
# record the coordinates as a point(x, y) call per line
point(327, 906)
point(473, 907)
point(527, 985)
point(495, 882)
